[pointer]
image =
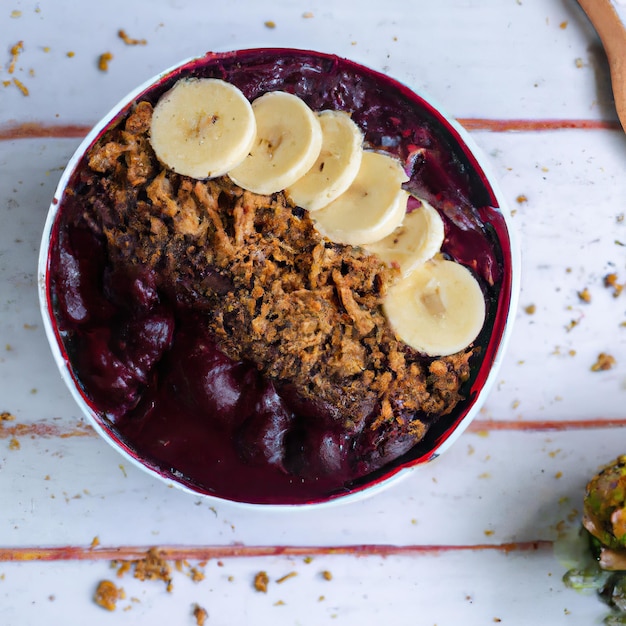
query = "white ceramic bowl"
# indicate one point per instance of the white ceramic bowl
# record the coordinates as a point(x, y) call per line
point(453, 171)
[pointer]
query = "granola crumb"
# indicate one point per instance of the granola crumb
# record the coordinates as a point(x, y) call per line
point(585, 295)
point(282, 579)
point(610, 281)
point(103, 61)
point(260, 581)
point(130, 41)
point(200, 614)
point(307, 15)
point(107, 595)
point(604, 362)
point(95, 542)
point(21, 86)
point(326, 575)
point(579, 62)
point(153, 567)
point(521, 199)
point(530, 309)
point(5, 416)
point(15, 53)
point(270, 24)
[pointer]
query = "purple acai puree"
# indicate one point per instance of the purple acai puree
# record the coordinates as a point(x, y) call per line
point(155, 377)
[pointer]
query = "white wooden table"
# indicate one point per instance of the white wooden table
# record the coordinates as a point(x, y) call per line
point(467, 539)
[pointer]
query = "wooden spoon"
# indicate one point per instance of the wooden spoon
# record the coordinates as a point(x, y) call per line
point(612, 33)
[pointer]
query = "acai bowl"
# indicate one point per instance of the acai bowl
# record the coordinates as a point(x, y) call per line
point(240, 346)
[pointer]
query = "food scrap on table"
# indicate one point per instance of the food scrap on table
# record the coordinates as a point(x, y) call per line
point(130, 41)
point(200, 614)
point(604, 362)
point(103, 61)
point(610, 281)
point(261, 581)
point(282, 579)
point(15, 53)
point(107, 595)
point(21, 86)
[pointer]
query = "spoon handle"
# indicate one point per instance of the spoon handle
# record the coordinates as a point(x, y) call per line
point(612, 32)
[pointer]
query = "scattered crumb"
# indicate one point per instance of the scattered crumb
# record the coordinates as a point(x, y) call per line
point(107, 595)
point(572, 325)
point(5, 416)
point(610, 281)
point(270, 24)
point(308, 559)
point(103, 61)
point(307, 15)
point(521, 199)
point(488, 533)
point(15, 53)
point(196, 574)
point(70, 54)
point(130, 41)
point(558, 475)
point(95, 542)
point(260, 582)
point(282, 579)
point(585, 295)
point(279, 603)
point(153, 567)
point(15, 13)
point(579, 62)
point(530, 309)
point(563, 25)
point(21, 86)
point(46, 49)
point(200, 614)
point(14, 444)
point(326, 575)
point(604, 362)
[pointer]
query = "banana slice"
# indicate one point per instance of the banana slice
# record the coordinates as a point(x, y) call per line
point(202, 127)
point(438, 309)
point(416, 240)
point(288, 142)
point(371, 208)
point(337, 164)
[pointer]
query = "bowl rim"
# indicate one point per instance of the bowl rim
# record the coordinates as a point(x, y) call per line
point(392, 475)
